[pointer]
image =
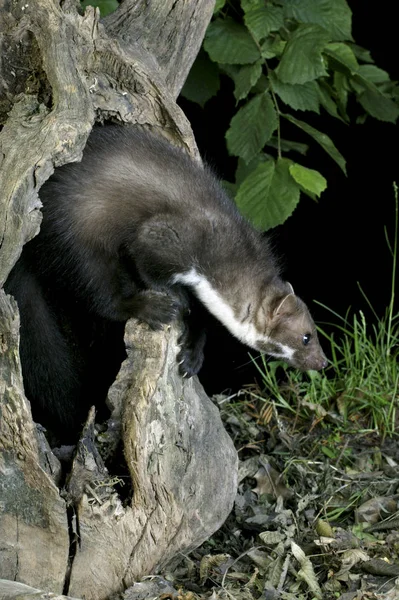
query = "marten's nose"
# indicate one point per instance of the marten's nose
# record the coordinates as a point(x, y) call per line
point(318, 363)
point(322, 362)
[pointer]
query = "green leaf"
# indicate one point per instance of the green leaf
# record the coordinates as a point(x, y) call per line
point(361, 53)
point(229, 42)
point(273, 46)
point(244, 169)
point(328, 452)
point(342, 57)
point(106, 6)
point(203, 81)
point(253, 193)
point(374, 100)
point(299, 97)
point(288, 145)
point(360, 83)
point(334, 15)
point(373, 74)
point(342, 88)
point(309, 179)
point(244, 78)
point(379, 106)
point(269, 195)
point(326, 99)
point(262, 85)
point(248, 5)
point(263, 19)
point(218, 5)
point(321, 138)
point(251, 127)
point(302, 60)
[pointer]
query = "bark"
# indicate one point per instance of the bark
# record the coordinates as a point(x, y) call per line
point(174, 48)
point(59, 72)
point(33, 520)
point(12, 590)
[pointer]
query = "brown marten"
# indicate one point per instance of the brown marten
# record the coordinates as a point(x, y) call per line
point(138, 229)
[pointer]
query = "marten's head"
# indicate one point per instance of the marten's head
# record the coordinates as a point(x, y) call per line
point(289, 333)
point(268, 318)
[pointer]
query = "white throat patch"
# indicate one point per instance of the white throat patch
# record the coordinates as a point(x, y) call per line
point(286, 353)
point(246, 332)
point(219, 308)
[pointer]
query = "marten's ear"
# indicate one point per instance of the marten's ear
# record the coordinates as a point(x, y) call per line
point(291, 288)
point(285, 306)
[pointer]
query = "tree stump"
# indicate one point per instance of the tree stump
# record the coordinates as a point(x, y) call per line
point(87, 535)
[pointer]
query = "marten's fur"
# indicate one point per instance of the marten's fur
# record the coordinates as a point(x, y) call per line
point(138, 229)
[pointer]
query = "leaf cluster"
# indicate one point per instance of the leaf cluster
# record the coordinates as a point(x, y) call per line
point(283, 57)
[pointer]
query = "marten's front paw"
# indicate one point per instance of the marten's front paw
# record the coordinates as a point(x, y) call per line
point(163, 309)
point(189, 361)
point(191, 355)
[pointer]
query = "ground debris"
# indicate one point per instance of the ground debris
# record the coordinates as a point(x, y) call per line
point(304, 525)
point(151, 587)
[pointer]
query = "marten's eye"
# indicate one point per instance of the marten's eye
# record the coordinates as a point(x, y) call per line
point(306, 339)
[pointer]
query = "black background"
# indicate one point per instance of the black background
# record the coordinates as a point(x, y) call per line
point(329, 246)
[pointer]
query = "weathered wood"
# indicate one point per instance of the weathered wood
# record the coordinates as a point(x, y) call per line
point(59, 72)
point(151, 25)
point(183, 467)
point(88, 73)
point(12, 590)
point(34, 540)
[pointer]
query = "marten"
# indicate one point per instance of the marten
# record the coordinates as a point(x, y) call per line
point(140, 229)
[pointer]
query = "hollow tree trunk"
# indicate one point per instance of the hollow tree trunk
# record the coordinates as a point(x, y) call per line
point(59, 72)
